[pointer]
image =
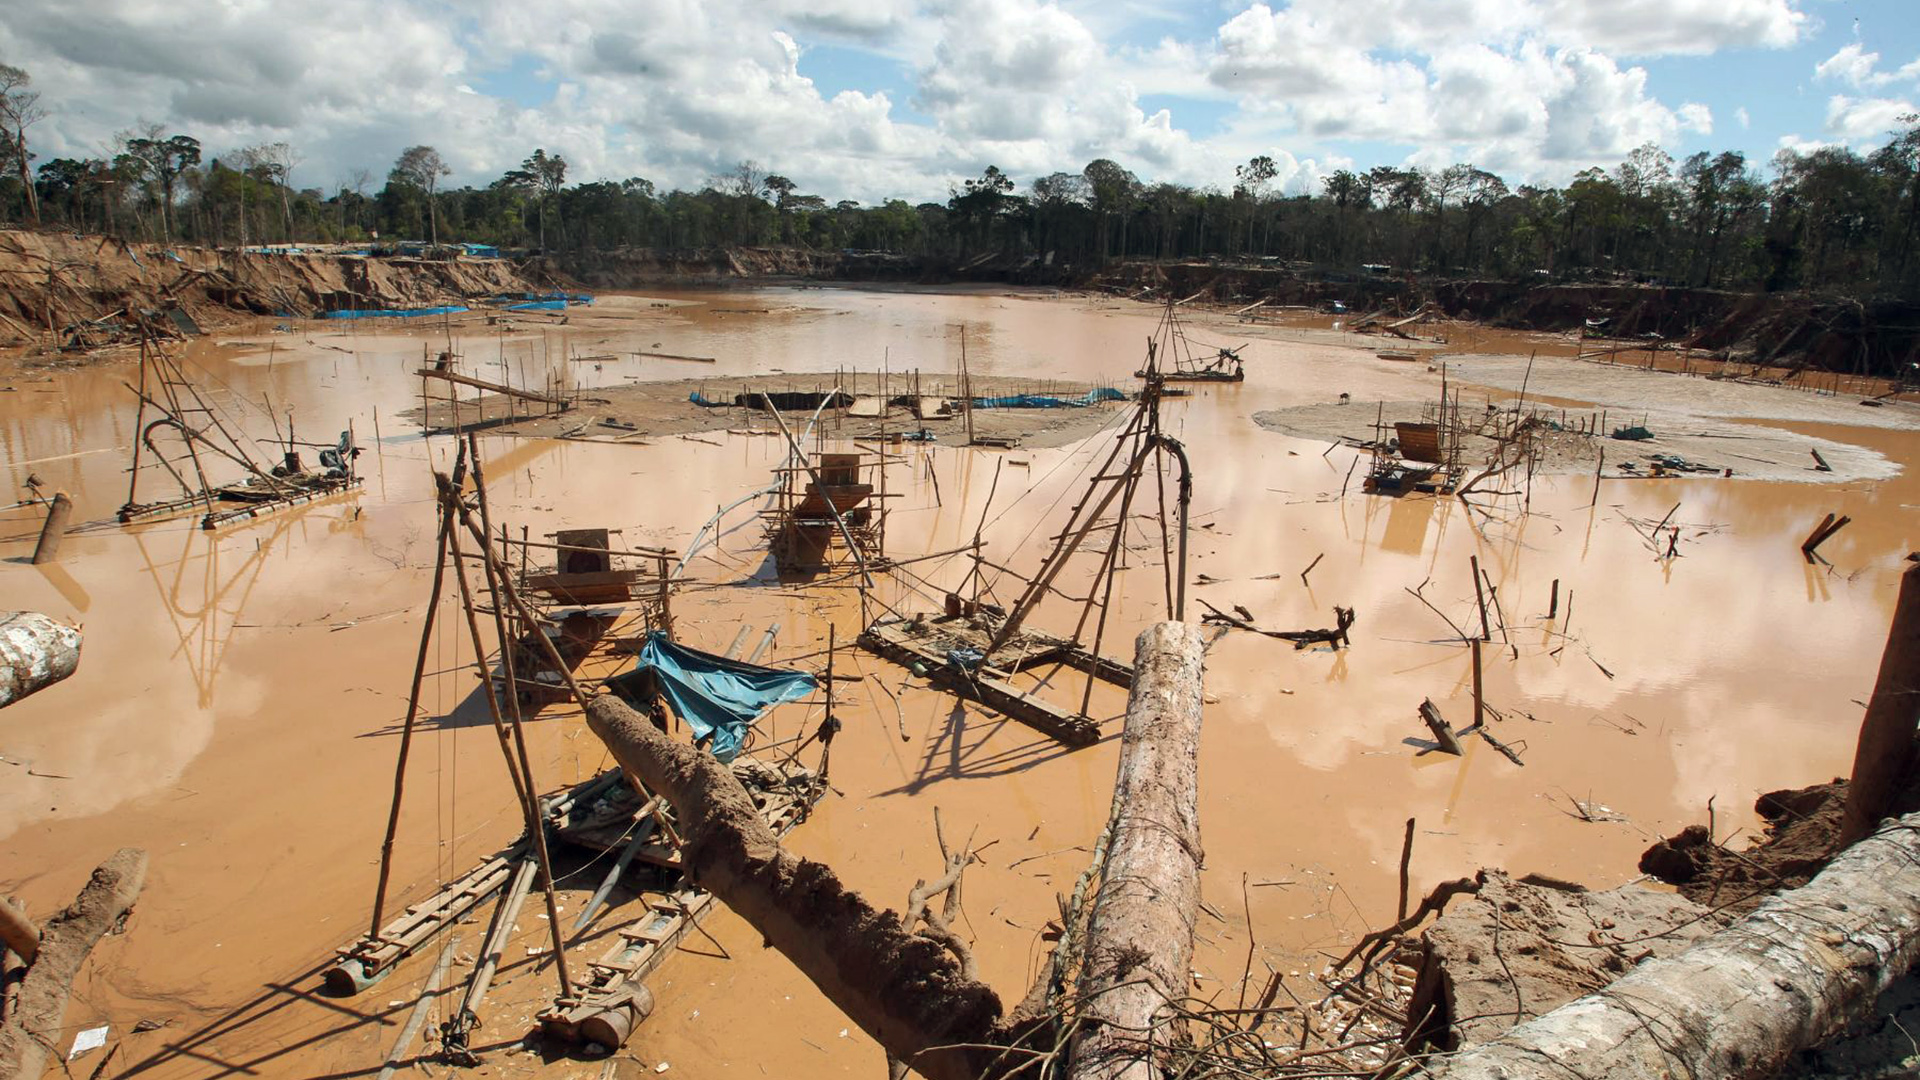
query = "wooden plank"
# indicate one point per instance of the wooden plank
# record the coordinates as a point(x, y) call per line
point(892, 643)
point(498, 388)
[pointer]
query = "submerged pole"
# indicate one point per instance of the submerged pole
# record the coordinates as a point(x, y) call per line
point(59, 512)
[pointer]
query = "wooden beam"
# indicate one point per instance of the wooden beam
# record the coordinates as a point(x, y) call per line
point(498, 388)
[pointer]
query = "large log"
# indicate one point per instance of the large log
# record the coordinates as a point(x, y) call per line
point(33, 1028)
point(35, 653)
point(1883, 759)
point(906, 989)
point(1741, 1002)
point(903, 989)
point(1139, 941)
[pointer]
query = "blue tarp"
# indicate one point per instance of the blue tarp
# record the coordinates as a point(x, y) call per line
point(414, 313)
point(571, 298)
point(539, 305)
point(714, 695)
point(1046, 401)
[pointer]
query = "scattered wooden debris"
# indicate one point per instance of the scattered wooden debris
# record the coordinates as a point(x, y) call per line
point(1827, 527)
point(1243, 620)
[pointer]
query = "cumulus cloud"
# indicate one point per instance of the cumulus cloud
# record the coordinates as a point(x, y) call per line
point(1536, 89)
point(1865, 119)
point(1860, 69)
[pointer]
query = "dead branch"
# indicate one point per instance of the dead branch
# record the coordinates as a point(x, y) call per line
point(33, 1024)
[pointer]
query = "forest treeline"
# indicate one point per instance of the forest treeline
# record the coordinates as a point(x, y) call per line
point(1830, 218)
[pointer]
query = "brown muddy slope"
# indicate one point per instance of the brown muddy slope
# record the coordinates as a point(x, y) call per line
point(64, 279)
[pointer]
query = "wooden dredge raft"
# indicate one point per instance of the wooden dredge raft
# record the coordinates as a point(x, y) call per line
point(544, 636)
point(179, 408)
point(602, 816)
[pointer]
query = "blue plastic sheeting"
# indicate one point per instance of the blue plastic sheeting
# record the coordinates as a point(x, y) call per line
point(411, 314)
point(714, 695)
point(705, 402)
point(567, 297)
point(539, 305)
point(1047, 401)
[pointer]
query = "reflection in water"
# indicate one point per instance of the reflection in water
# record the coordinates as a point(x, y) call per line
point(1407, 518)
point(202, 599)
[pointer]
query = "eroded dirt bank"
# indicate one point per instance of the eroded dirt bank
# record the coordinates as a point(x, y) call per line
point(53, 283)
point(236, 712)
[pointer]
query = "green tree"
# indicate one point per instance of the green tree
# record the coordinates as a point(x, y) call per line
point(159, 161)
point(421, 167)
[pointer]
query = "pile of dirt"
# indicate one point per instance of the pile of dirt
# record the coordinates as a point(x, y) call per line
point(88, 287)
point(1802, 832)
point(1516, 949)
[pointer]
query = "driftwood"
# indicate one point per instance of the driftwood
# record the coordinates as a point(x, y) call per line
point(903, 989)
point(912, 991)
point(35, 653)
point(1139, 940)
point(1442, 731)
point(1743, 1001)
point(31, 1028)
point(1827, 527)
point(1242, 619)
point(1884, 757)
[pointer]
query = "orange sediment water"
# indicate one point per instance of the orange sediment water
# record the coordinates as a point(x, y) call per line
point(238, 702)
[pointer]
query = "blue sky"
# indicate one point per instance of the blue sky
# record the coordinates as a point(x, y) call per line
point(870, 99)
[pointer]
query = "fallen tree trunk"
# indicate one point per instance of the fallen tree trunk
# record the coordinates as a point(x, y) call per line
point(1139, 943)
point(1738, 1003)
point(903, 989)
point(35, 653)
point(906, 989)
point(32, 1027)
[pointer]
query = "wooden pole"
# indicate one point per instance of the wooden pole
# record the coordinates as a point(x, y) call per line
point(1406, 861)
point(1479, 703)
point(1486, 629)
point(1883, 760)
point(406, 730)
point(55, 530)
point(1139, 943)
point(497, 587)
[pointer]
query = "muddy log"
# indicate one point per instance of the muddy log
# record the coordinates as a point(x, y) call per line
point(1740, 1002)
point(32, 1029)
point(1883, 759)
point(903, 989)
point(1139, 942)
point(35, 653)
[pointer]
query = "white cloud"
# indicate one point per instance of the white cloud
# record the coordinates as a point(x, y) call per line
point(1865, 119)
point(1535, 89)
point(1860, 69)
point(1695, 117)
point(1673, 27)
point(1740, 117)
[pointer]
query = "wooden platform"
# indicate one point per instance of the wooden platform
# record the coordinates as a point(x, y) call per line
point(241, 502)
point(925, 645)
point(611, 998)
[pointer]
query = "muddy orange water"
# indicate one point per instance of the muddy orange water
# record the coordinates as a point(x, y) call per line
point(236, 710)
